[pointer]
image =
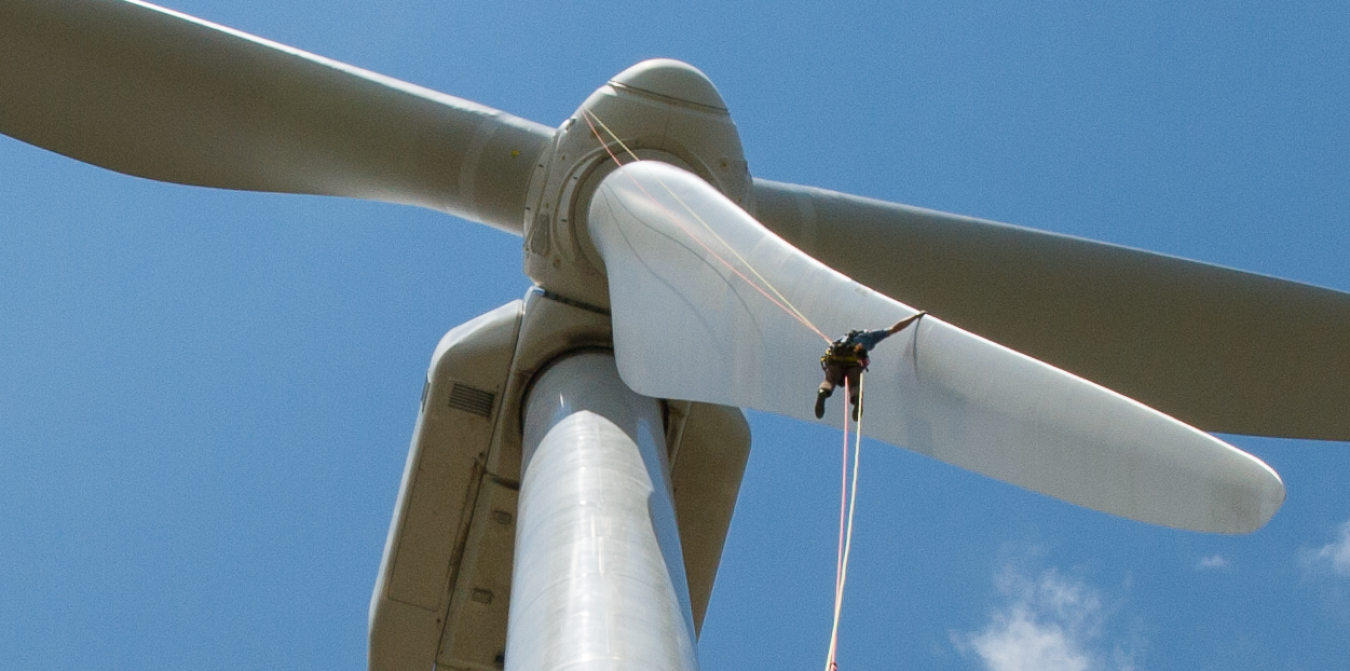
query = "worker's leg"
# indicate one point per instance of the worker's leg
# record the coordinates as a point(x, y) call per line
point(834, 376)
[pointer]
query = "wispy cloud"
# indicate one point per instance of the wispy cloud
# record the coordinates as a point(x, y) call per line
point(1212, 562)
point(1333, 557)
point(1050, 623)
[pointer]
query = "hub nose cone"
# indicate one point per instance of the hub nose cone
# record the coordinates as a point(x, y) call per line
point(672, 79)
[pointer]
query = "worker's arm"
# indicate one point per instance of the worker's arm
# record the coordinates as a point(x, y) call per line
point(900, 325)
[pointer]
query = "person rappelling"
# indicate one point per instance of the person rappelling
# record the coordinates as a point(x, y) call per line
point(846, 359)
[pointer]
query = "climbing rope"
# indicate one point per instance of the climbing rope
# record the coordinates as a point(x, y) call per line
point(848, 492)
point(845, 531)
point(781, 301)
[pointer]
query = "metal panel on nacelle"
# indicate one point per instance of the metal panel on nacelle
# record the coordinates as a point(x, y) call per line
point(475, 634)
point(443, 590)
point(444, 471)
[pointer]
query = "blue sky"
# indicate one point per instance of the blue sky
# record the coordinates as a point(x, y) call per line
point(206, 397)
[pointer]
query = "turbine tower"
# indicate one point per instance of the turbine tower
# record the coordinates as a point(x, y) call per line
point(577, 456)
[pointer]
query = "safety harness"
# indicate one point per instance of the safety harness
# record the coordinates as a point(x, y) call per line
point(845, 352)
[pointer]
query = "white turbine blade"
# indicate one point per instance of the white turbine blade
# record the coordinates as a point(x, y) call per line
point(687, 327)
point(1222, 349)
point(150, 92)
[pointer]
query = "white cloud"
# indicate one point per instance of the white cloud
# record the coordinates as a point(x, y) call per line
point(1333, 557)
point(1016, 641)
point(1051, 623)
point(1212, 562)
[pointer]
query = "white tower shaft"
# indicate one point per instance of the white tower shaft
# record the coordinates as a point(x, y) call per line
point(599, 580)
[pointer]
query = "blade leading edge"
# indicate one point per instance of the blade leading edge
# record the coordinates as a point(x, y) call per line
point(687, 327)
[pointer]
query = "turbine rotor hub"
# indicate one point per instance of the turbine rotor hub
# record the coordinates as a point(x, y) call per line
point(659, 109)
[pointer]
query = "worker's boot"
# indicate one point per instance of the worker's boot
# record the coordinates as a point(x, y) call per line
point(821, 395)
point(857, 409)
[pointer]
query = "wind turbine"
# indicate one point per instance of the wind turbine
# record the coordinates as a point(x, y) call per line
point(389, 169)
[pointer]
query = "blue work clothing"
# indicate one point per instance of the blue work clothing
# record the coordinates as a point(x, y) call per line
point(869, 339)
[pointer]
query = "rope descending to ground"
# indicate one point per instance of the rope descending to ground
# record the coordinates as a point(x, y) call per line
point(845, 528)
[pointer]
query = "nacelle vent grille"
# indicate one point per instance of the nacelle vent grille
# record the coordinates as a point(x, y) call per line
point(472, 400)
